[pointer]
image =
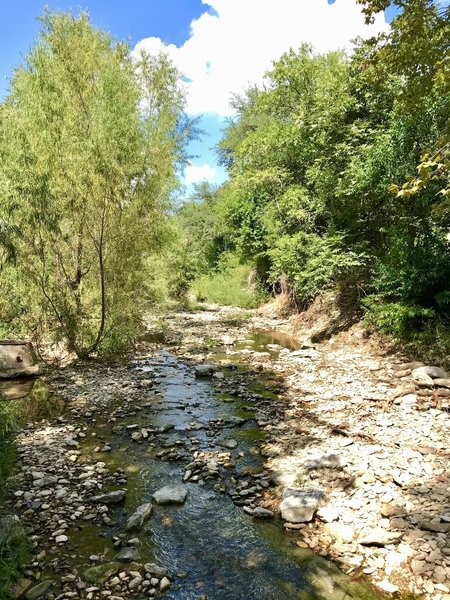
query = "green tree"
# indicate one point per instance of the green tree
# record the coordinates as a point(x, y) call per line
point(89, 144)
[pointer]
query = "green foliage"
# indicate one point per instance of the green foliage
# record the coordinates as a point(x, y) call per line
point(89, 142)
point(196, 219)
point(312, 263)
point(313, 157)
point(395, 318)
point(417, 49)
point(228, 285)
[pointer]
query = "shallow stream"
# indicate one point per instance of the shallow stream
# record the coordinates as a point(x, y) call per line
point(213, 549)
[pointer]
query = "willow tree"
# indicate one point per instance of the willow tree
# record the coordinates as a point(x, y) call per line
point(89, 145)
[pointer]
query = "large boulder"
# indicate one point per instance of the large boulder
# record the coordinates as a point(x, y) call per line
point(424, 374)
point(300, 505)
point(17, 359)
point(170, 494)
point(14, 389)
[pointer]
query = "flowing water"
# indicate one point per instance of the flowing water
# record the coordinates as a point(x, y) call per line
point(213, 549)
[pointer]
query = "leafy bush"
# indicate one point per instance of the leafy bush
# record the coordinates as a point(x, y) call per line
point(312, 263)
point(395, 318)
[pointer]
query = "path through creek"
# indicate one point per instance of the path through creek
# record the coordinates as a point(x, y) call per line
point(187, 411)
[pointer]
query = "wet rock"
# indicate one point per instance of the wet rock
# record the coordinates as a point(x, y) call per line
point(138, 518)
point(128, 554)
point(170, 494)
point(231, 444)
point(110, 498)
point(262, 513)
point(203, 370)
point(300, 505)
point(37, 591)
point(164, 584)
point(101, 573)
point(155, 570)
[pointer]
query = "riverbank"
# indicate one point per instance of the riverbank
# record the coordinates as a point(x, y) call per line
point(269, 413)
point(356, 423)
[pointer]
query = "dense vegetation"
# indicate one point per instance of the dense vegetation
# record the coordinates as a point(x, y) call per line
point(89, 143)
point(339, 173)
point(338, 168)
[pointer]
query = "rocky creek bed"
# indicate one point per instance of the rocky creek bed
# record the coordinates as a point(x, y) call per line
point(167, 475)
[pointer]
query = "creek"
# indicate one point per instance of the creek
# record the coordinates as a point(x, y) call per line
point(212, 548)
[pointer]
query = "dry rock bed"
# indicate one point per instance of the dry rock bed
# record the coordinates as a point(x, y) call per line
point(359, 447)
point(354, 445)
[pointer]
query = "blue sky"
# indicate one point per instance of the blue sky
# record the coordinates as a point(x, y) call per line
point(221, 46)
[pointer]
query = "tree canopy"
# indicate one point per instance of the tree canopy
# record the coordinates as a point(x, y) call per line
point(90, 140)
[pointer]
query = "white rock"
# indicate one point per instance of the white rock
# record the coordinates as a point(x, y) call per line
point(170, 494)
point(300, 505)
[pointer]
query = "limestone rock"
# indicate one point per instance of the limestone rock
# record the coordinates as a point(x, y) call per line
point(170, 494)
point(433, 372)
point(203, 370)
point(140, 515)
point(17, 359)
point(262, 513)
point(128, 554)
point(340, 531)
point(442, 382)
point(435, 525)
point(164, 584)
point(10, 529)
point(325, 461)
point(21, 587)
point(380, 537)
point(110, 498)
point(300, 505)
point(155, 570)
point(231, 444)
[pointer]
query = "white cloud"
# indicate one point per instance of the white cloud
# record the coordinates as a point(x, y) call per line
point(195, 173)
point(233, 47)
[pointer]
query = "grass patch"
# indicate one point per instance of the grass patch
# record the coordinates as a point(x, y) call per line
point(16, 552)
point(228, 288)
point(12, 558)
